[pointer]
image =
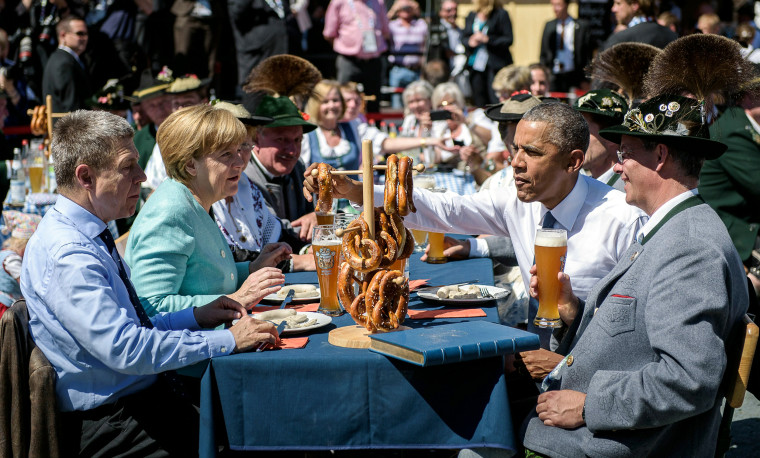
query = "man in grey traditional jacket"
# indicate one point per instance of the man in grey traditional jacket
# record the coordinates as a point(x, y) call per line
point(646, 352)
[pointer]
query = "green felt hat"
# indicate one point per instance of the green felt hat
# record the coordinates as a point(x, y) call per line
point(602, 102)
point(513, 109)
point(672, 120)
point(284, 113)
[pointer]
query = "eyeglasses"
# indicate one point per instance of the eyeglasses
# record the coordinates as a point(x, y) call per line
point(622, 156)
point(80, 33)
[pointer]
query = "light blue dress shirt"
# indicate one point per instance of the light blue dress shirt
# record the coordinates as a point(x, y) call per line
point(81, 317)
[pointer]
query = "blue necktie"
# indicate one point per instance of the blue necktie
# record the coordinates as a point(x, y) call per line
point(549, 221)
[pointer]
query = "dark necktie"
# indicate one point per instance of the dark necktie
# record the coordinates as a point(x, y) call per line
point(107, 238)
point(549, 221)
point(170, 377)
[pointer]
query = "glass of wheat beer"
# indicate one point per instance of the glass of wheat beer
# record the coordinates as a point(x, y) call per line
point(326, 247)
point(551, 250)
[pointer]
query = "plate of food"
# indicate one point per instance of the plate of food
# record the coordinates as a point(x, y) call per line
point(461, 294)
point(303, 293)
point(297, 322)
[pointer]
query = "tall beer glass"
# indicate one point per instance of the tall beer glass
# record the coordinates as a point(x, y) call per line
point(551, 250)
point(326, 248)
point(325, 219)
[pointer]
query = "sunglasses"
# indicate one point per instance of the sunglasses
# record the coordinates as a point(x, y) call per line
point(80, 34)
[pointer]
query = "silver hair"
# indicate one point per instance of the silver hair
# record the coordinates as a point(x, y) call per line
point(86, 137)
point(444, 90)
point(419, 87)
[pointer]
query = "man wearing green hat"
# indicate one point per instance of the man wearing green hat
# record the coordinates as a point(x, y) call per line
point(602, 108)
point(153, 101)
point(647, 350)
point(276, 167)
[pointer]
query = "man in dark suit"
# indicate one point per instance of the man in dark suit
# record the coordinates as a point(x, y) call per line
point(638, 16)
point(65, 77)
point(259, 31)
point(565, 47)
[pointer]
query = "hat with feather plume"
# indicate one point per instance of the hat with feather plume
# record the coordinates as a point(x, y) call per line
point(282, 79)
point(684, 83)
point(624, 66)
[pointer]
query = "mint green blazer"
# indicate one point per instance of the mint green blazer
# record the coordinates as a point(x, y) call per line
point(178, 256)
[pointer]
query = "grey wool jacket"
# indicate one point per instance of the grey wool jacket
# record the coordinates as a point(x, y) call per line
point(650, 346)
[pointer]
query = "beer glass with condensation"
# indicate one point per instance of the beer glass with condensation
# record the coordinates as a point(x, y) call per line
point(326, 247)
point(551, 250)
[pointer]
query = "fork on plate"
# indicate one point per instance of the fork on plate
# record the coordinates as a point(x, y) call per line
point(485, 293)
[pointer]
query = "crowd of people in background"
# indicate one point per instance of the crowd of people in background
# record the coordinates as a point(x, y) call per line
point(223, 109)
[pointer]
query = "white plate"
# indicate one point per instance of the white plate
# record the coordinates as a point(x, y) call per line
point(496, 292)
point(322, 320)
point(276, 297)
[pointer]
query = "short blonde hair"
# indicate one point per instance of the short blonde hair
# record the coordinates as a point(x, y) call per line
point(320, 92)
point(512, 78)
point(194, 132)
point(15, 244)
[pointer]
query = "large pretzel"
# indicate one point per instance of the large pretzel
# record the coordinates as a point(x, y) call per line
point(324, 180)
point(382, 300)
point(359, 250)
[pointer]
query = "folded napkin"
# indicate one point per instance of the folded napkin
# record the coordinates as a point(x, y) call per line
point(293, 342)
point(299, 308)
point(445, 313)
point(415, 284)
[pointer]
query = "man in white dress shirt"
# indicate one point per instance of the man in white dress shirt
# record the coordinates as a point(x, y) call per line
point(549, 148)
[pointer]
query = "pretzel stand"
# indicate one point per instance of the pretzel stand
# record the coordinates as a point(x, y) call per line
point(42, 121)
point(357, 336)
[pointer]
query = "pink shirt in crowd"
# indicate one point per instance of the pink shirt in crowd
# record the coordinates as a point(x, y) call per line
point(346, 21)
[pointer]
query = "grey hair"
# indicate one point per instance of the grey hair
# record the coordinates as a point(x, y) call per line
point(567, 130)
point(444, 90)
point(86, 137)
point(419, 87)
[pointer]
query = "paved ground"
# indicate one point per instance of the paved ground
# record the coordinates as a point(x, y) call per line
point(745, 429)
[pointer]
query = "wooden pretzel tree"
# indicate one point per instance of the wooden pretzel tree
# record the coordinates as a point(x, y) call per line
point(371, 289)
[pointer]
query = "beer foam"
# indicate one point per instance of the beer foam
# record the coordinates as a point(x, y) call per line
point(327, 243)
point(551, 239)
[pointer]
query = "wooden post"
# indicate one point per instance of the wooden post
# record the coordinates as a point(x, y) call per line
point(367, 186)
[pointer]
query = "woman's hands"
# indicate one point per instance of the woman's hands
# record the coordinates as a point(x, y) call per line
point(271, 255)
point(263, 282)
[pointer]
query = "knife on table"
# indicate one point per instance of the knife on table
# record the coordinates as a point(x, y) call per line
point(288, 298)
point(280, 328)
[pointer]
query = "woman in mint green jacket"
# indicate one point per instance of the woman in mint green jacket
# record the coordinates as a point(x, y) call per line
point(178, 256)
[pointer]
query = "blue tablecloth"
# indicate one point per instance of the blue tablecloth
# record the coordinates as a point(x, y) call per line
point(456, 181)
point(324, 397)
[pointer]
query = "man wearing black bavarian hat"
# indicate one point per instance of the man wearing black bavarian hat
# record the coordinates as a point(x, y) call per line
point(647, 350)
point(601, 108)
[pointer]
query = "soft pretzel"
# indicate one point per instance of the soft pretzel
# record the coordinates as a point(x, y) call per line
point(390, 203)
point(405, 187)
point(360, 251)
point(324, 180)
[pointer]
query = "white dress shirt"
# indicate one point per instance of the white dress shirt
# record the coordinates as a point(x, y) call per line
point(600, 224)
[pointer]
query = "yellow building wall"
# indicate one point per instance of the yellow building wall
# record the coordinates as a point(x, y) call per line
point(528, 19)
